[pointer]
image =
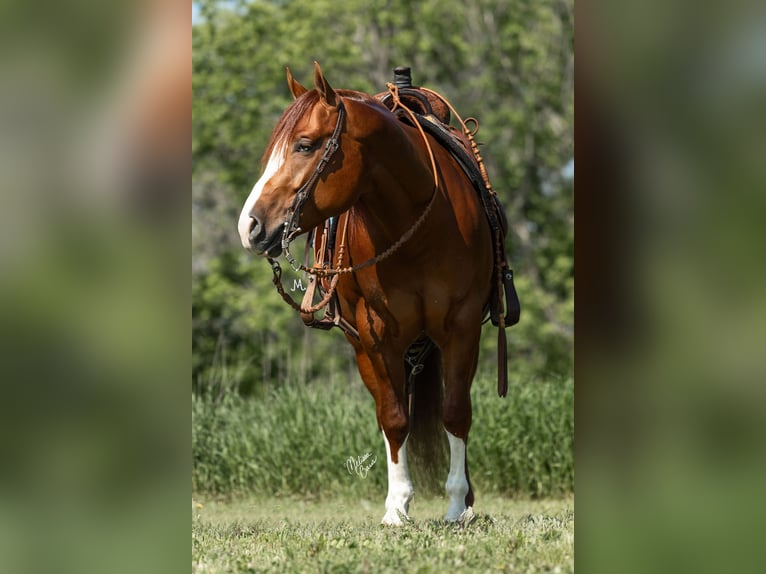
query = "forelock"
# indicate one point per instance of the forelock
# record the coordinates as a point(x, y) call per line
point(290, 118)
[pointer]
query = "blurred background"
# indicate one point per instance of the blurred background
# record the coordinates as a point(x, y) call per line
point(95, 101)
point(671, 313)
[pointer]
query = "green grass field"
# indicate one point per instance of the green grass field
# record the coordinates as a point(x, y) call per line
point(344, 535)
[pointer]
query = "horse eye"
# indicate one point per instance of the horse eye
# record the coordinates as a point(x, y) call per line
point(304, 146)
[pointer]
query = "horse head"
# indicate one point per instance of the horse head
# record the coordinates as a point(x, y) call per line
point(311, 169)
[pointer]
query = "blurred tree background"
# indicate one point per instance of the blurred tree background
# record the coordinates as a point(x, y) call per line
point(509, 63)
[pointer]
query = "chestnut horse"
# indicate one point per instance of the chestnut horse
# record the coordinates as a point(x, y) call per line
point(396, 192)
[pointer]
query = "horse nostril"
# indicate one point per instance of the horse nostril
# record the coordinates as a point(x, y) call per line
point(256, 230)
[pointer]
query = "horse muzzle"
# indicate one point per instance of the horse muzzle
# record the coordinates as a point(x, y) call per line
point(255, 238)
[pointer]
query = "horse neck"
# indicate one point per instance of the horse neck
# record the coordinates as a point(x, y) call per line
point(400, 182)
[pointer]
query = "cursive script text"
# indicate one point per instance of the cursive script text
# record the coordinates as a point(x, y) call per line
point(360, 465)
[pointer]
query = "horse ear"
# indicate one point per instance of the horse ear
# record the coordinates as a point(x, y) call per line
point(326, 93)
point(296, 89)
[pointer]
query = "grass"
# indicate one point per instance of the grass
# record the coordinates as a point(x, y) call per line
point(296, 439)
point(343, 535)
point(273, 493)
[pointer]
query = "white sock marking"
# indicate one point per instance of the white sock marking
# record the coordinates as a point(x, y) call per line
point(457, 483)
point(275, 163)
point(400, 489)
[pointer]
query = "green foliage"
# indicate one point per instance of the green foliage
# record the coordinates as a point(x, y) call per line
point(296, 439)
point(523, 444)
point(509, 63)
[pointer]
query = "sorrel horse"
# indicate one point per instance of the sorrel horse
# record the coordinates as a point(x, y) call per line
point(415, 261)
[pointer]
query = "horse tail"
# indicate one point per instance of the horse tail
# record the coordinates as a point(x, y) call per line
point(427, 443)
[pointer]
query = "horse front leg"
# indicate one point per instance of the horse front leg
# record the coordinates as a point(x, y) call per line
point(458, 486)
point(393, 420)
point(459, 363)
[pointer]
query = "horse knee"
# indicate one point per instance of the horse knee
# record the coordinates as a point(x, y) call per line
point(395, 426)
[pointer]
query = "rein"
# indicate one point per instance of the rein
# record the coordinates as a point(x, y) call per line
point(291, 228)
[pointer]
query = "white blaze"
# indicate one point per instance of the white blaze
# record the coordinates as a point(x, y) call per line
point(275, 163)
point(457, 483)
point(400, 489)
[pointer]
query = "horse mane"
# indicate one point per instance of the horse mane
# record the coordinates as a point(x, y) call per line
point(299, 108)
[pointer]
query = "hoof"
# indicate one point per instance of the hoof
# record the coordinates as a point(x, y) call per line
point(464, 517)
point(395, 518)
point(454, 513)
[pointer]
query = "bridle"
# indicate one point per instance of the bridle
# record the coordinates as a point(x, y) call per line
point(291, 229)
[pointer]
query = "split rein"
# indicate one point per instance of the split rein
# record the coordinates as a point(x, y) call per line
point(291, 229)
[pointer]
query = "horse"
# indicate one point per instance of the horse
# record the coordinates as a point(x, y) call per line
point(417, 251)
